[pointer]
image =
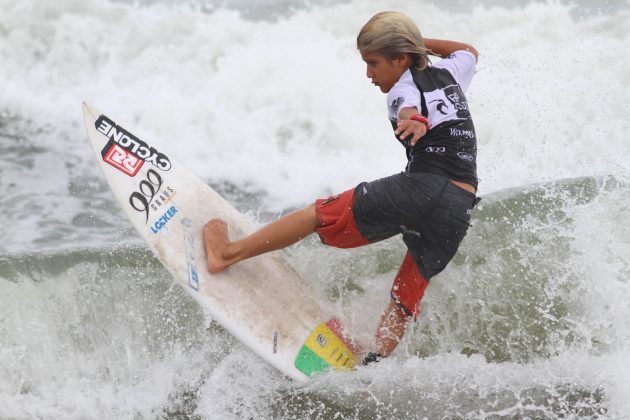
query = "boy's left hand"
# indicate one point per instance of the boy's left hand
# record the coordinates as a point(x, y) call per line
point(406, 128)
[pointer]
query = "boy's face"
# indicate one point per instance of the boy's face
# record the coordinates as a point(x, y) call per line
point(383, 71)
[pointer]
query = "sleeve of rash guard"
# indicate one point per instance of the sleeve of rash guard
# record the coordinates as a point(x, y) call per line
point(401, 96)
point(461, 65)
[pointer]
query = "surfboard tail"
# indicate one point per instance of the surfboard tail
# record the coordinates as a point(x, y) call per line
point(327, 347)
point(336, 326)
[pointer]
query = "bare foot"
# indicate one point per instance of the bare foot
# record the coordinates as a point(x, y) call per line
point(216, 241)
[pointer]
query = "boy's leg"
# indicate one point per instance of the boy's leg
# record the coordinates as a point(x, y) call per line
point(221, 253)
point(391, 328)
point(332, 219)
point(403, 307)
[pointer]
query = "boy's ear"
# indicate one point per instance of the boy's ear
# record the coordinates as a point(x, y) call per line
point(404, 60)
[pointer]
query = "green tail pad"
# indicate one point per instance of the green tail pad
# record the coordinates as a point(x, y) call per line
point(309, 363)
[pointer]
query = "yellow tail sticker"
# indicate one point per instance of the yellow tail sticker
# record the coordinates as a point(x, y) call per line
point(325, 344)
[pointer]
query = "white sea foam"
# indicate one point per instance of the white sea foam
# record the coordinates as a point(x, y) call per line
point(285, 107)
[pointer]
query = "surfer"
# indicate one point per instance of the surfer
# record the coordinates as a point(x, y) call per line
point(430, 203)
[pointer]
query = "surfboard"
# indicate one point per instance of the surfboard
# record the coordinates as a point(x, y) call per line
point(263, 301)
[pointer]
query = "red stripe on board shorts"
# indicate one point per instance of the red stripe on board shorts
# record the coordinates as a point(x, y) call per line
point(409, 286)
point(337, 226)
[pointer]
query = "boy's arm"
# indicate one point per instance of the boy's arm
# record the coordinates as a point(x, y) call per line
point(407, 127)
point(443, 48)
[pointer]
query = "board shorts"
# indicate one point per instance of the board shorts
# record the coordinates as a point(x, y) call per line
point(430, 212)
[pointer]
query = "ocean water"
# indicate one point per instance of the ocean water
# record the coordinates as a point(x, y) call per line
point(268, 102)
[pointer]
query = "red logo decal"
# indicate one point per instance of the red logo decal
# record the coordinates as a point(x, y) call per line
point(123, 160)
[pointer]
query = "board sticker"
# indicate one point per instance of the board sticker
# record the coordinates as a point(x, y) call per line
point(122, 159)
point(323, 350)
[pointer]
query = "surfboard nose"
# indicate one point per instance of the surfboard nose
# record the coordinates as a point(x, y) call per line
point(89, 110)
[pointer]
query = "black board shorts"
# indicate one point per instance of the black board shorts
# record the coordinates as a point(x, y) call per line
point(430, 212)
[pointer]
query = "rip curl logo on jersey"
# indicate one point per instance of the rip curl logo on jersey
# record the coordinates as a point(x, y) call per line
point(129, 147)
point(441, 106)
point(396, 103)
point(465, 156)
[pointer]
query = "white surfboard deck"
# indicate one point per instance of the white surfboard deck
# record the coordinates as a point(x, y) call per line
point(262, 301)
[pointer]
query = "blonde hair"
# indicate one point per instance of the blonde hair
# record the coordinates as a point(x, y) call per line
point(392, 34)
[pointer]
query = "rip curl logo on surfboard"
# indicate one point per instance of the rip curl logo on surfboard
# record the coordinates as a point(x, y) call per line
point(122, 159)
point(126, 152)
